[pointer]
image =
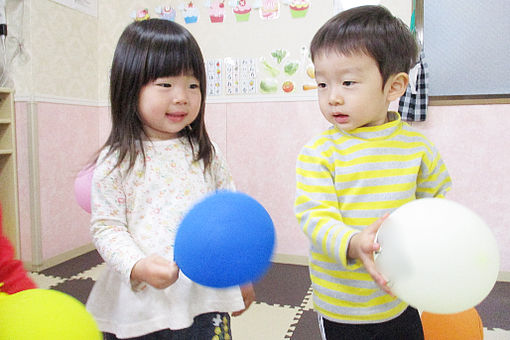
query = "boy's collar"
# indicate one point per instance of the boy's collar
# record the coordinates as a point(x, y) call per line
point(378, 132)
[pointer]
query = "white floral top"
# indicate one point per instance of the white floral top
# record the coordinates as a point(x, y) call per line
point(137, 213)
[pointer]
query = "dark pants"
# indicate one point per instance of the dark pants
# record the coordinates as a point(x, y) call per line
point(407, 326)
point(205, 326)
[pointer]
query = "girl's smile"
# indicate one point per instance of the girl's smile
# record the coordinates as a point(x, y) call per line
point(176, 116)
point(169, 104)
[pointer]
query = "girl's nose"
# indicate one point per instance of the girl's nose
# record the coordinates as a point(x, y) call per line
point(179, 95)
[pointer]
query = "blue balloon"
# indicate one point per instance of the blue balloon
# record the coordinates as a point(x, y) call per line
point(225, 240)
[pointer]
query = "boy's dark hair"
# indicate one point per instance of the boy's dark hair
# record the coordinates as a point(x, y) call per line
point(370, 30)
point(148, 50)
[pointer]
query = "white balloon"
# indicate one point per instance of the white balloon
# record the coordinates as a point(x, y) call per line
point(437, 255)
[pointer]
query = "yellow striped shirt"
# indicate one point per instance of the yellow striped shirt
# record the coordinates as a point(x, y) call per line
point(346, 181)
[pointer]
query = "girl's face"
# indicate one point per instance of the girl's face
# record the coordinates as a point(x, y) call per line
point(167, 105)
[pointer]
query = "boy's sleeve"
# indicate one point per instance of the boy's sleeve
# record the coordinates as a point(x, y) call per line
point(109, 227)
point(433, 178)
point(316, 208)
point(13, 277)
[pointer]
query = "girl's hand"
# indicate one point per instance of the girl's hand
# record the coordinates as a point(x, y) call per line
point(156, 271)
point(362, 247)
point(248, 294)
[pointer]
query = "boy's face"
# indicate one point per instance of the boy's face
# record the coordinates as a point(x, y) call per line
point(350, 90)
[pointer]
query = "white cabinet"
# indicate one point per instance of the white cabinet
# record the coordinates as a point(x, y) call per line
point(8, 169)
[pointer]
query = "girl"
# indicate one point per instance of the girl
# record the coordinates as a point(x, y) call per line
point(157, 161)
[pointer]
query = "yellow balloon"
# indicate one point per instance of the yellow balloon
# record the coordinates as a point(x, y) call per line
point(45, 315)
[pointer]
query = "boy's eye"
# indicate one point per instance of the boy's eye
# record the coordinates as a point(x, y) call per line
point(321, 85)
point(348, 83)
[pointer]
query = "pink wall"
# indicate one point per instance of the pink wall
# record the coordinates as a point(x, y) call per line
point(261, 142)
point(23, 180)
point(263, 139)
point(67, 137)
point(474, 143)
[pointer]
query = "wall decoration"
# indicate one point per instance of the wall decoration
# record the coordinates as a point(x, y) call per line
point(279, 55)
point(269, 85)
point(240, 75)
point(309, 69)
point(268, 9)
point(241, 10)
point(214, 73)
point(248, 76)
point(190, 12)
point(298, 8)
point(282, 74)
point(288, 86)
point(141, 14)
point(291, 67)
point(166, 12)
point(216, 10)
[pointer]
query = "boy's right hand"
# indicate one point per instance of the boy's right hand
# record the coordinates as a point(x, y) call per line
point(362, 247)
point(156, 271)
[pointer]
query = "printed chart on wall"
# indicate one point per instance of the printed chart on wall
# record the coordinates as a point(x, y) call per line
point(258, 50)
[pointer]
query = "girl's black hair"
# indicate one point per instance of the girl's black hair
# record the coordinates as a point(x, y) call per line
point(148, 50)
point(370, 30)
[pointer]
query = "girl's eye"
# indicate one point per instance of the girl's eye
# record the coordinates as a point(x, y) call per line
point(348, 83)
point(321, 85)
point(164, 84)
point(194, 86)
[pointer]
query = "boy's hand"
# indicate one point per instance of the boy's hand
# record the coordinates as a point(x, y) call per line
point(156, 271)
point(362, 247)
point(248, 294)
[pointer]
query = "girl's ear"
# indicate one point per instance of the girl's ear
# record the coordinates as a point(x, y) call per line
point(397, 85)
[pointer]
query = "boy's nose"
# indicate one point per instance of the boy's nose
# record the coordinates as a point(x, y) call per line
point(335, 98)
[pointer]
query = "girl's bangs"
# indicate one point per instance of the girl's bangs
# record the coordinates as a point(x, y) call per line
point(171, 58)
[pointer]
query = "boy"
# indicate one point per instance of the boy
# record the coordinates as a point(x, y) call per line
point(350, 177)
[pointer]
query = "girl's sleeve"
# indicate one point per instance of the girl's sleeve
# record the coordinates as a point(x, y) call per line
point(109, 227)
point(433, 178)
point(221, 172)
point(316, 208)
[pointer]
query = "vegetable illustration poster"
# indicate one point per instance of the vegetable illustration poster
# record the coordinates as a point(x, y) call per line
point(283, 73)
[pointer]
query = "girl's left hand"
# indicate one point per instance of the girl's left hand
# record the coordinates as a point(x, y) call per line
point(248, 294)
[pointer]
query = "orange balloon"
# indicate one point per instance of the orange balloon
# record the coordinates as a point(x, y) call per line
point(458, 326)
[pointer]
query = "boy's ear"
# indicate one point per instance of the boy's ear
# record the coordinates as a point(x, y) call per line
point(397, 85)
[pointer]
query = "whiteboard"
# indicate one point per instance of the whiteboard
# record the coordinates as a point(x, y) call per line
point(467, 47)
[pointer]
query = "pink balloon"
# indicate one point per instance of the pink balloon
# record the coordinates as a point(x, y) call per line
point(83, 186)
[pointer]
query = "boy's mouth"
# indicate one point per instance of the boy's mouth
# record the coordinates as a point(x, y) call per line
point(340, 118)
